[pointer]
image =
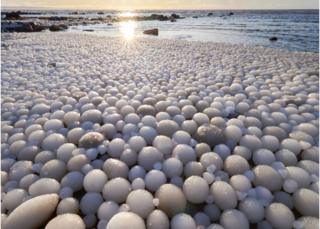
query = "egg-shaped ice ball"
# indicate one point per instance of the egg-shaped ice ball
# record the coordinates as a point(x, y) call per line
point(126, 220)
point(140, 202)
point(116, 190)
point(196, 189)
point(171, 199)
point(95, 180)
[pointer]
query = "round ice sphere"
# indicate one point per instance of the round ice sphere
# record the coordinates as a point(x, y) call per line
point(71, 117)
point(44, 186)
point(157, 219)
point(90, 202)
point(212, 211)
point(77, 162)
point(284, 198)
point(65, 192)
point(107, 210)
point(136, 143)
point(126, 220)
point(20, 169)
point(240, 183)
point(115, 168)
point(172, 167)
point(55, 169)
point(299, 175)
point(236, 164)
point(93, 116)
point(116, 147)
point(148, 156)
point(202, 219)
point(138, 183)
point(14, 198)
point(64, 152)
point(196, 189)
point(73, 180)
point(253, 209)
point(116, 190)
point(287, 157)
point(224, 195)
point(292, 145)
point(181, 137)
point(167, 127)
point(279, 216)
point(306, 202)
point(68, 205)
point(163, 143)
point(211, 158)
point(268, 177)
point(171, 199)
point(251, 142)
point(182, 221)
point(233, 132)
point(136, 172)
point(75, 134)
point(193, 168)
point(233, 219)
point(140, 202)
point(53, 141)
point(65, 221)
point(154, 179)
point(290, 185)
point(263, 157)
point(95, 180)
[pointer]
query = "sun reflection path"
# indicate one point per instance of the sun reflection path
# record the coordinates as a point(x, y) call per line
point(127, 28)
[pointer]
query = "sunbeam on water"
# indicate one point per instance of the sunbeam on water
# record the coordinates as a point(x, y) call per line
point(127, 28)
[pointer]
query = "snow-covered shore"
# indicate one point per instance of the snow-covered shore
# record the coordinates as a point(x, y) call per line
point(151, 133)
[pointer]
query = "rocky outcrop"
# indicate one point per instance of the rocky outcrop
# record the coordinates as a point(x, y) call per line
point(154, 32)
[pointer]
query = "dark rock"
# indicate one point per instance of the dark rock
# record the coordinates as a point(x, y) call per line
point(13, 16)
point(109, 24)
point(88, 30)
point(194, 16)
point(55, 28)
point(175, 16)
point(57, 18)
point(22, 27)
point(53, 65)
point(100, 13)
point(154, 32)
point(230, 14)
point(173, 20)
point(210, 14)
point(273, 39)
point(75, 13)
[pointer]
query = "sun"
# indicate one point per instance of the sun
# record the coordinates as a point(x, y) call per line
point(127, 28)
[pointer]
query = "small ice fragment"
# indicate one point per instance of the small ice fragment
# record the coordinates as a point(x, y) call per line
point(297, 224)
point(241, 195)
point(157, 166)
point(211, 168)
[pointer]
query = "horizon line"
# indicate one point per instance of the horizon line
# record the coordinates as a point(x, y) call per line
point(123, 9)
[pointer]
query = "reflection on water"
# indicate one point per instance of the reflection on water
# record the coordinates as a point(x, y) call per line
point(127, 29)
point(127, 14)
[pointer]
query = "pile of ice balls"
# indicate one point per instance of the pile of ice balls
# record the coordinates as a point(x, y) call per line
point(187, 150)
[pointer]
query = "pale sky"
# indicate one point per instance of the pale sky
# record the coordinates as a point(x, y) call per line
point(163, 4)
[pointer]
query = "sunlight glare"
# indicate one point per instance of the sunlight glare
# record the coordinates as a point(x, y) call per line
point(127, 28)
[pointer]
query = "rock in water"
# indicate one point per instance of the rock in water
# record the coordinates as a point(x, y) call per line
point(32, 213)
point(154, 32)
point(66, 221)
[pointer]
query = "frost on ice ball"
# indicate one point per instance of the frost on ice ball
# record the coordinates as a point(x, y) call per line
point(91, 140)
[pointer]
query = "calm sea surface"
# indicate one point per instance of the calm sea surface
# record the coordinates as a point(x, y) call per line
point(296, 30)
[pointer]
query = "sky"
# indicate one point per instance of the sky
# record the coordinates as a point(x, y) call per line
point(162, 4)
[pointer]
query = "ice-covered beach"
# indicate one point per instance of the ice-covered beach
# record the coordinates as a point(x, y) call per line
point(101, 132)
